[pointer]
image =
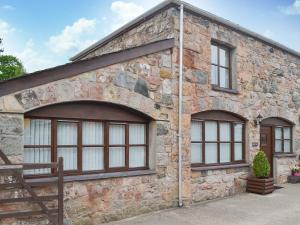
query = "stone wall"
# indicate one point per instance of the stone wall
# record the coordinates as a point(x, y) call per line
point(159, 27)
point(146, 84)
point(267, 80)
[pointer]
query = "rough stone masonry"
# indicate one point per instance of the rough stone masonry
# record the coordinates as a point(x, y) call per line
point(267, 80)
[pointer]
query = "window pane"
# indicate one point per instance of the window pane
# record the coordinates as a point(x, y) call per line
point(224, 57)
point(137, 134)
point(211, 131)
point(66, 133)
point(211, 153)
point(225, 152)
point(92, 158)
point(196, 153)
point(224, 77)
point(278, 133)
point(37, 155)
point(287, 146)
point(116, 157)
point(70, 157)
point(196, 132)
point(238, 132)
point(287, 133)
point(278, 146)
point(137, 156)
point(116, 134)
point(92, 133)
point(225, 132)
point(238, 151)
point(214, 74)
point(37, 132)
point(214, 54)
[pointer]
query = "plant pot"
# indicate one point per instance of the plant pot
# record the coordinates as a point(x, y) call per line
point(261, 186)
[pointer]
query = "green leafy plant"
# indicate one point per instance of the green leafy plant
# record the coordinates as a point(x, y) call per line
point(10, 67)
point(261, 165)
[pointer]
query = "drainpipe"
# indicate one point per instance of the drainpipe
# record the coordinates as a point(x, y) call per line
point(180, 109)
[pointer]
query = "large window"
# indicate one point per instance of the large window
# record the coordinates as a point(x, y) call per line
point(87, 145)
point(215, 140)
point(220, 66)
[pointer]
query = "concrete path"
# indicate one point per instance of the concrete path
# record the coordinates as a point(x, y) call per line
point(279, 208)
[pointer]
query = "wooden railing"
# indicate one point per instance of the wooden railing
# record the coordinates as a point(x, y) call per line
point(16, 171)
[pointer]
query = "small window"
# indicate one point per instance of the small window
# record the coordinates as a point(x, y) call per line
point(283, 139)
point(220, 66)
point(216, 138)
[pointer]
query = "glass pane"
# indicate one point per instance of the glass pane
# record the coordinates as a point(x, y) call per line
point(196, 153)
point(92, 133)
point(278, 146)
point(214, 75)
point(287, 133)
point(196, 132)
point(70, 157)
point(225, 152)
point(92, 158)
point(116, 157)
point(37, 155)
point(224, 57)
point(211, 131)
point(66, 133)
point(37, 132)
point(214, 54)
point(116, 134)
point(287, 146)
point(238, 132)
point(278, 133)
point(137, 156)
point(225, 132)
point(211, 153)
point(137, 134)
point(224, 77)
point(238, 151)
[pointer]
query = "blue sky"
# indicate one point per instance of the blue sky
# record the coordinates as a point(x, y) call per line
point(47, 33)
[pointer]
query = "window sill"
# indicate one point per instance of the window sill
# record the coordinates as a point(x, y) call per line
point(220, 167)
point(282, 155)
point(227, 90)
point(87, 177)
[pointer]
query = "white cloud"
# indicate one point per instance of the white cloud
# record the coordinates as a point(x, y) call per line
point(125, 12)
point(32, 60)
point(8, 7)
point(73, 37)
point(293, 9)
point(268, 33)
point(5, 29)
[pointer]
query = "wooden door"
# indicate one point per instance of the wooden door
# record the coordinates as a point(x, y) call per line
point(266, 144)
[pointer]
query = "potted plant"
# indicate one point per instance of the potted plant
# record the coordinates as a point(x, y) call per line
point(296, 170)
point(261, 183)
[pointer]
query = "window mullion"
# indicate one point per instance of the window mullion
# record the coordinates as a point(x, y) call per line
point(127, 146)
point(79, 147)
point(203, 142)
point(219, 83)
point(232, 159)
point(106, 146)
point(218, 141)
point(282, 140)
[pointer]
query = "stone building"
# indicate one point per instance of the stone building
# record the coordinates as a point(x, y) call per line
point(113, 114)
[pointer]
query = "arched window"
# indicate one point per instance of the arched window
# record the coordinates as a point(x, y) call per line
point(90, 136)
point(281, 130)
point(217, 137)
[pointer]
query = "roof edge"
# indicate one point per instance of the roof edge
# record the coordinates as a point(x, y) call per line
point(192, 9)
point(74, 68)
